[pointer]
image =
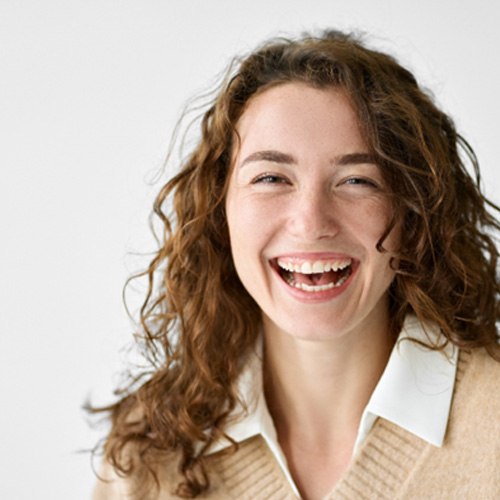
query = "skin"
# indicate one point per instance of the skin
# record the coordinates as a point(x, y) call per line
point(303, 187)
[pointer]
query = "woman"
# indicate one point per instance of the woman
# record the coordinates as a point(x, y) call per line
point(321, 313)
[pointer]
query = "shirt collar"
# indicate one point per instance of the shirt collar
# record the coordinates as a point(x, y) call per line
point(416, 388)
point(252, 417)
point(414, 392)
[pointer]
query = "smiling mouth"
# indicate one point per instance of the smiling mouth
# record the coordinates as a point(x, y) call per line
point(314, 276)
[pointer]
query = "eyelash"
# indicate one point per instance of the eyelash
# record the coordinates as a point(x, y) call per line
point(360, 181)
point(278, 179)
point(270, 179)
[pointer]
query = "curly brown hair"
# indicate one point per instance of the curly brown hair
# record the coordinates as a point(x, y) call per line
point(198, 321)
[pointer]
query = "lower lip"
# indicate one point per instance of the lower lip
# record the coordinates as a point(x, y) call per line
point(319, 296)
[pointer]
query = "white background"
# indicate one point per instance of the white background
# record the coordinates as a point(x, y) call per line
point(89, 94)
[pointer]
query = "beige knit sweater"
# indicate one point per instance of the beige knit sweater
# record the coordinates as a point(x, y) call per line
point(391, 464)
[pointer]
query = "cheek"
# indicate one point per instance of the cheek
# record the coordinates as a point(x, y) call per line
point(247, 239)
point(244, 234)
point(240, 220)
point(392, 241)
point(368, 220)
point(249, 219)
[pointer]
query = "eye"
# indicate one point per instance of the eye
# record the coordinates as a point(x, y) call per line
point(360, 181)
point(270, 179)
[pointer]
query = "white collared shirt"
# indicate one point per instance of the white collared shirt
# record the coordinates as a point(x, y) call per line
point(414, 392)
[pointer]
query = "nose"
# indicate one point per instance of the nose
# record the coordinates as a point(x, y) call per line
point(314, 215)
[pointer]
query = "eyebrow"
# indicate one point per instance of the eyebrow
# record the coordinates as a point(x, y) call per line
point(269, 155)
point(355, 158)
point(279, 157)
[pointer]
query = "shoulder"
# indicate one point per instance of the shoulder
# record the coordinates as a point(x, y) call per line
point(476, 369)
point(476, 402)
point(109, 484)
point(466, 465)
point(149, 476)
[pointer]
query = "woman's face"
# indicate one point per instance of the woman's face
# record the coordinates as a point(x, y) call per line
point(306, 207)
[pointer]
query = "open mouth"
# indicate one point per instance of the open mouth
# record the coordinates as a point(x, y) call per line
point(314, 276)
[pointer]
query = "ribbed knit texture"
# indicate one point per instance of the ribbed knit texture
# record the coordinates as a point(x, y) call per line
point(382, 465)
point(252, 473)
point(392, 463)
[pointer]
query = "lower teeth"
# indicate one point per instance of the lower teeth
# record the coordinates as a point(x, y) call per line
point(318, 288)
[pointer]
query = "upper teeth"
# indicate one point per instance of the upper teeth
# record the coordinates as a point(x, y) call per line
point(312, 267)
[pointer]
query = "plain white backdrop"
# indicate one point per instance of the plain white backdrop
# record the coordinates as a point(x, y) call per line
point(90, 91)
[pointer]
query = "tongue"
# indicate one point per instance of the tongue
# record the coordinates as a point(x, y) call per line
point(317, 278)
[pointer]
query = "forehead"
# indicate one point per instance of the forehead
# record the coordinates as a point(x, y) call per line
point(298, 118)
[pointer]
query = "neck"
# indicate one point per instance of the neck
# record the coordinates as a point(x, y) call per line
point(317, 391)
